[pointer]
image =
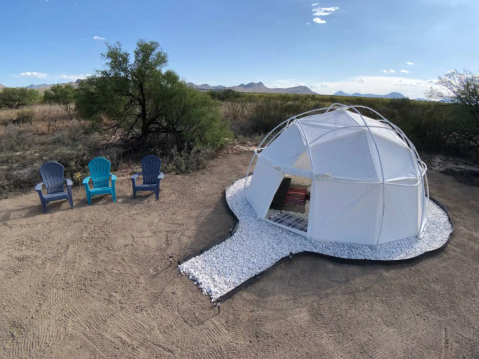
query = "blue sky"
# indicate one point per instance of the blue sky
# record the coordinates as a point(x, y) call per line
point(334, 45)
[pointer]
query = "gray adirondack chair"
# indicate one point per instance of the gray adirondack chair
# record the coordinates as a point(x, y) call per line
point(54, 181)
point(151, 171)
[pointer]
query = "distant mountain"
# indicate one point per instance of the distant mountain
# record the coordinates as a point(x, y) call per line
point(1, 86)
point(256, 88)
point(391, 95)
point(421, 99)
point(205, 87)
point(37, 87)
point(47, 86)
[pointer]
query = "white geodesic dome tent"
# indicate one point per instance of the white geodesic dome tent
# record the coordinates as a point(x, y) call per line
point(369, 185)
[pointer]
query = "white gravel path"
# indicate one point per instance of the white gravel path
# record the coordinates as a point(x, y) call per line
point(257, 245)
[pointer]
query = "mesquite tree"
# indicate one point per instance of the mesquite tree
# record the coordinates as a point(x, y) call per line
point(139, 98)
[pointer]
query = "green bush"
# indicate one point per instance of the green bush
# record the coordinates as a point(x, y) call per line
point(432, 126)
point(143, 101)
point(225, 95)
point(61, 95)
point(16, 97)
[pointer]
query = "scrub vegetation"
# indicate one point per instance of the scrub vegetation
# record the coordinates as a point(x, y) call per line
point(136, 106)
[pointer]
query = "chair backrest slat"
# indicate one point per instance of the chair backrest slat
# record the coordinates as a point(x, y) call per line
point(53, 177)
point(151, 167)
point(100, 172)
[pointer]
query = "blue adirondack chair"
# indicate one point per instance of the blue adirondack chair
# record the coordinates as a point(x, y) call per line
point(53, 180)
point(100, 176)
point(150, 167)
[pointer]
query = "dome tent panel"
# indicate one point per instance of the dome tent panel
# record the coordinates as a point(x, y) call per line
point(340, 150)
point(335, 124)
point(286, 148)
point(401, 215)
point(337, 118)
point(262, 188)
point(398, 161)
point(377, 127)
point(338, 212)
point(346, 157)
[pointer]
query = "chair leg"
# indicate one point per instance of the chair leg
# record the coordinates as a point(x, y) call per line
point(70, 196)
point(158, 190)
point(113, 192)
point(87, 192)
point(42, 201)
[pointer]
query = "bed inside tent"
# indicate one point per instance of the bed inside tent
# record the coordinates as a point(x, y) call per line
point(291, 203)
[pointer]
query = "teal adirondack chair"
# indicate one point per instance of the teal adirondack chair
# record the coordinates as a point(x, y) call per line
point(100, 176)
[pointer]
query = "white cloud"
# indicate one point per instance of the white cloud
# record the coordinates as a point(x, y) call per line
point(315, 4)
point(75, 77)
point(405, 71)
point(388, 71)
point(410, 63)
point(322, 11)
point(308, 23)
point(407, 83)
point(323, 85)
point(98, 38)
point(38, 75)
point(360, 80)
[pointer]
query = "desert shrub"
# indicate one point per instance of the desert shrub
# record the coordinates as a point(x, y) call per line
point(61, 95)
point(12, 138)
point(225, 95)
point(25, 116)
point(187, 162)
point(21, 178)
point(269, 113)
point(433, 127)
point(73, 148)
point(141, 101)
point(16, 97)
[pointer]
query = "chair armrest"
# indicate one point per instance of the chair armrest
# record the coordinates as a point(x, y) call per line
point(38, 187)
point(113, 177)
point(86, 180)
point(69, 182)
point(135, 176)
point(160, 176)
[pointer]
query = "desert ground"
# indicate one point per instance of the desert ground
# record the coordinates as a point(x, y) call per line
point(97, 282)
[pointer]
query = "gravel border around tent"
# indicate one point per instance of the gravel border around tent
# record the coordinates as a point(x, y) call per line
point(257, 245)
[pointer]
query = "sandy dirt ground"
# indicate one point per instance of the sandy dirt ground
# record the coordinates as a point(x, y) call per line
point(96, 282)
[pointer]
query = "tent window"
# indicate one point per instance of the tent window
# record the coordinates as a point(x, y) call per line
point(290, 205)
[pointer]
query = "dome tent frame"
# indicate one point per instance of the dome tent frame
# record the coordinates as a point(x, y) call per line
point(382, 124)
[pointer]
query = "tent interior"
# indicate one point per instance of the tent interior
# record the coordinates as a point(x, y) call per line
point(290, 205)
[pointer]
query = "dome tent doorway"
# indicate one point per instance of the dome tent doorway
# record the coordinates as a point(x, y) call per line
point(368, 183)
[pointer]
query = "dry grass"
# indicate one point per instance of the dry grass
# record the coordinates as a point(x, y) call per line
point(49, 134)
point(47, 119)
